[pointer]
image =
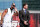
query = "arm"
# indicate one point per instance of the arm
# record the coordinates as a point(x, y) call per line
point(2, 16)
point(28, 18)
point(16, 14)
point(20, 16)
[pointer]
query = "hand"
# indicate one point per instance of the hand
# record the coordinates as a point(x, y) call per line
point(15, 9)
point(25, 22)
point(0, 23)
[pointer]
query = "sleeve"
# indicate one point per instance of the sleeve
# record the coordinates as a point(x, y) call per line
point(20, 16)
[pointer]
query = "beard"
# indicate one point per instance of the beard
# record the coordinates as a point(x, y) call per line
point(12, 7)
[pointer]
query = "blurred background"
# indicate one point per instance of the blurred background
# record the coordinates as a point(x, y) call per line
point(33, 8)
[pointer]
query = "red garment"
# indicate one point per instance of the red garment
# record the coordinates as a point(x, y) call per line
point(16, 18)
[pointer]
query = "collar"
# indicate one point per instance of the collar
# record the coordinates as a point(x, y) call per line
point(24, 9)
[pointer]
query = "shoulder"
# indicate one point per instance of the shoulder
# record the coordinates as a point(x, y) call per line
point(5, 10)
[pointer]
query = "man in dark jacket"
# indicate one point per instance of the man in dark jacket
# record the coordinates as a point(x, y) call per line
point(24, 16)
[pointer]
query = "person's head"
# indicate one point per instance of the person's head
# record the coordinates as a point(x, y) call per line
point(25, 6)
point(13, 5)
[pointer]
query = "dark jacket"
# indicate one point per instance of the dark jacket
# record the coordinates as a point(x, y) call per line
point(24, 17)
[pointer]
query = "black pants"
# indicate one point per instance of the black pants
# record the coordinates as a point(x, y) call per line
point(26, 25)
point(22, 25)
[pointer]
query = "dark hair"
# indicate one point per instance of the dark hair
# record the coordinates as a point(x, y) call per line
point(25, 4)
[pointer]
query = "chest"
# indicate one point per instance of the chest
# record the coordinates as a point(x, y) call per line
point(10, 12)
point(24, 12)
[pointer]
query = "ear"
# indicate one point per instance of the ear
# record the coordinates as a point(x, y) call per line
point(24, 6)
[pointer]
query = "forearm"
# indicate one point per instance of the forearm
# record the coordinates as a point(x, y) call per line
point(22, 19)
point(2, 18)
point(20, 16)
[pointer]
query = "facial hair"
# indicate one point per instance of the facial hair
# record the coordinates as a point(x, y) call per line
point(11, 10)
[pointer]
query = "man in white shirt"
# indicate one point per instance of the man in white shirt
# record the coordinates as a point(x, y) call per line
point(7, 16)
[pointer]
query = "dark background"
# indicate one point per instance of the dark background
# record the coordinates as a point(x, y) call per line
point(33, 4)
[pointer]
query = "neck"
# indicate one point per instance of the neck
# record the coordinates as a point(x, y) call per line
point(11, 8)
point(24, 8)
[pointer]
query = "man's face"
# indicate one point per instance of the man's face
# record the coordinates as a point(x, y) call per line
point(26, 6)
point(13, 6)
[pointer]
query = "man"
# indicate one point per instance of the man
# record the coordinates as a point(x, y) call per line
point(7, 16)
point(24, 16)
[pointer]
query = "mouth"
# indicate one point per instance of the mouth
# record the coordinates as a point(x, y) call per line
point(14, 5)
